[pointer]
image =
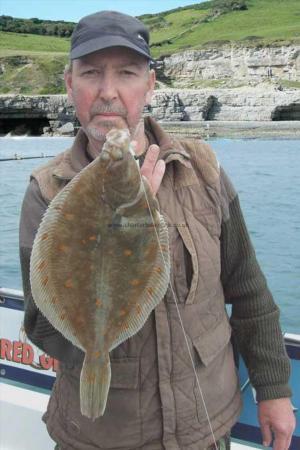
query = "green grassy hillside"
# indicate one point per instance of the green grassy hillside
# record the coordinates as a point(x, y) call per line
point(264, 22)
point(34, 64)
point(32, 43)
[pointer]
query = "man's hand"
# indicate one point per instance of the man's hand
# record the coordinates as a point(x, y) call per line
point(276, 419)
point(153, 170)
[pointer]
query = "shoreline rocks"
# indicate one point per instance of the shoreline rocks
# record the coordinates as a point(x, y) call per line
point(53, 115)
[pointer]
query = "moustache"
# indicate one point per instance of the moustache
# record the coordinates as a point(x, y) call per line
point(108, 109)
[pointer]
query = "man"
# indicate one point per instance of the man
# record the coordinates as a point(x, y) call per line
point(155, 401)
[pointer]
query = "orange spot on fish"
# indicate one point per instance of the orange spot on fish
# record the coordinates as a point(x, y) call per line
point(151, 251)
point(54, 300)
point(44, 237)
point(97, 354)
point(69, 283)
point(150, 290)
point(127, 252)
point(158, 269)
point(41, 265)
point(138, 309)
point(83, 241)
point(63, 248)
point(98, 302)
point(63, 315)
point(92, 238)
point(135, 282)
point(68, 216)
point(45, 281)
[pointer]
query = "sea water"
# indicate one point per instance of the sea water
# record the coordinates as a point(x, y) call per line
point(265, 173)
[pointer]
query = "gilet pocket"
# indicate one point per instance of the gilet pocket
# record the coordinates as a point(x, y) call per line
point(184, 264)
point(213, 361)
point(120, 426)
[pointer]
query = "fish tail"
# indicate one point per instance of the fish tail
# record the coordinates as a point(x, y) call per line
point(94, 386)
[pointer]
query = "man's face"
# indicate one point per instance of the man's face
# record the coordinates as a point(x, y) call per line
point(109, 89)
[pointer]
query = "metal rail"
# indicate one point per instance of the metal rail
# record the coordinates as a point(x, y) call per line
point(19, 157)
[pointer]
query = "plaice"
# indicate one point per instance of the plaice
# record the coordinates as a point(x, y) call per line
point(100, 262)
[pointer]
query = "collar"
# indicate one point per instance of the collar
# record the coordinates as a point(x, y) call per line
point(77, 157)
point(170, 148)
point(74, 159)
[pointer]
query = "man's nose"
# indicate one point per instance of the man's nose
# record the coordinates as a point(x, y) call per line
point(108, 88)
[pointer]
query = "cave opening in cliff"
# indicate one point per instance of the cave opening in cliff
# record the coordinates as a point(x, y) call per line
point(288, 112)
point(32, 126)
point(213, 107)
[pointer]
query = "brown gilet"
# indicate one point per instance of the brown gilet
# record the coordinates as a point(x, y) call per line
point(154, 401)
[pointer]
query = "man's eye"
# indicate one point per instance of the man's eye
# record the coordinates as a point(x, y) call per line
point(127, 72)
point(90, 72)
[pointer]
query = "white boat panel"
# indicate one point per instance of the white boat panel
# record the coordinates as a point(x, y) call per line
point(21, 426)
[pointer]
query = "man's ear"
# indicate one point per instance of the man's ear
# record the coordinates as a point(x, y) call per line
point(68, 84)
point(151, 85)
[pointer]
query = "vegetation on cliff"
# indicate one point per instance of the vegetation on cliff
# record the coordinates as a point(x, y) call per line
point(33, 52)
point(36, 26)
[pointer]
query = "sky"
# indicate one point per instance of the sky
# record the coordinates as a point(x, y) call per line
point(73, 10)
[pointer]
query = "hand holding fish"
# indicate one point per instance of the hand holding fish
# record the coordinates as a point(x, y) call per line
point(152, 169)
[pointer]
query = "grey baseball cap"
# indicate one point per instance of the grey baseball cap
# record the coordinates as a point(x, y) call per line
point(106, 29)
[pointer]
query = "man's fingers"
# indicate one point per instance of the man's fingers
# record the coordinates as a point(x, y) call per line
point(282, 436)
point(281, 442)
point(150, 161)
point(276, 416)
point(266, 434)
point(289, 441)
point(158, 174)
point(152, 169)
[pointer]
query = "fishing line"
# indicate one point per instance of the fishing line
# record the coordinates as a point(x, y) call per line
point(180, 319)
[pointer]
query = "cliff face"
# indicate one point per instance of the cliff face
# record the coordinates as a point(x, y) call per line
point(50, 114)
point(226, 104)
point(37, 114)
point(244, 65)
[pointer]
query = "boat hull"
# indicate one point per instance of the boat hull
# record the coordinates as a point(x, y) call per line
point(27, 377)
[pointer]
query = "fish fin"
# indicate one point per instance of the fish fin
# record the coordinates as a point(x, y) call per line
point(94, 386)
point(154, 291)
point(46, 298)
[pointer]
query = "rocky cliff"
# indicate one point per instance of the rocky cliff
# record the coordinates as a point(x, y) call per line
point(238, 65)
point(50, 114)
point(37, 114)
point(226, 104)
